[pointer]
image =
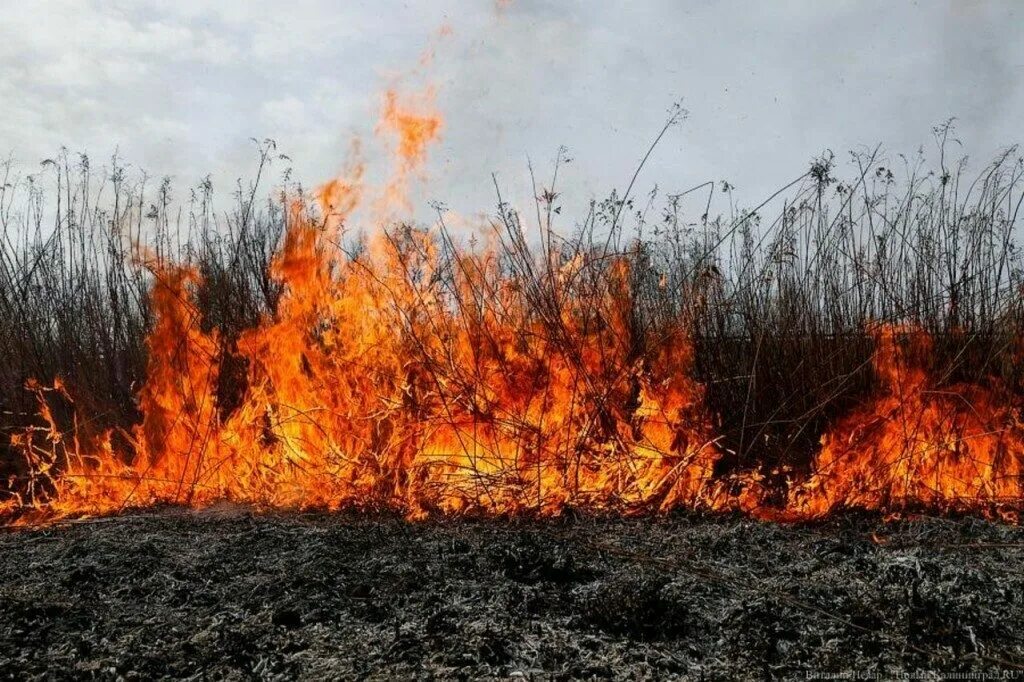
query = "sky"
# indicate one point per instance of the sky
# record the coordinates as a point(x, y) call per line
point(180, 89)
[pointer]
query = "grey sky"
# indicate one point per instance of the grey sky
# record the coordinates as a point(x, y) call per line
point(179, 88)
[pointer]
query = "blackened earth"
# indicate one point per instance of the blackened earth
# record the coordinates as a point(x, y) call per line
point(230, 594)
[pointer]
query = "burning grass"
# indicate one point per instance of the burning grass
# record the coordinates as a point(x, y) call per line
point(861, 350)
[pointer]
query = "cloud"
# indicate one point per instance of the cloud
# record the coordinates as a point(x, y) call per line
point(180, 88)
point(285, 113)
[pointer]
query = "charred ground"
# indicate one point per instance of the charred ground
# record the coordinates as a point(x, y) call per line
point(231, 594)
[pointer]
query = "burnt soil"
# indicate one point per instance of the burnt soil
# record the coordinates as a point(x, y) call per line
point(229, 594)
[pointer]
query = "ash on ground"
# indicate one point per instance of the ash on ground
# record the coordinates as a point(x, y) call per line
point(230, 594)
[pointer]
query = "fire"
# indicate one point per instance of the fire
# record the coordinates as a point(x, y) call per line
point(425, 378)
point(373, 388)
point(415, 130)
point(415, 124)
point(918, 444)
point(409, 377)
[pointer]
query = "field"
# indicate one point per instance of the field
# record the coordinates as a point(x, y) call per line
point(230, 594)
point(305, 437)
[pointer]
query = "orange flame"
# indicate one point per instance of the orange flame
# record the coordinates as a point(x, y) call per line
point(375, 384)
point(961, 447)
point(426, 379)
point(369, 388)
point(415, 125)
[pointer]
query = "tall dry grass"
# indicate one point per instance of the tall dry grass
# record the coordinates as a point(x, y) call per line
point(779, 299)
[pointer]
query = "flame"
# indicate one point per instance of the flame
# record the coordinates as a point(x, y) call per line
point(428, 379)
point(415, 130)
point(371, 388)
point(378, 383)
point(955, 447)
point(415, 124)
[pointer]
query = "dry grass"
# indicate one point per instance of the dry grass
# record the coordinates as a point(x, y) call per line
point(778, 306)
